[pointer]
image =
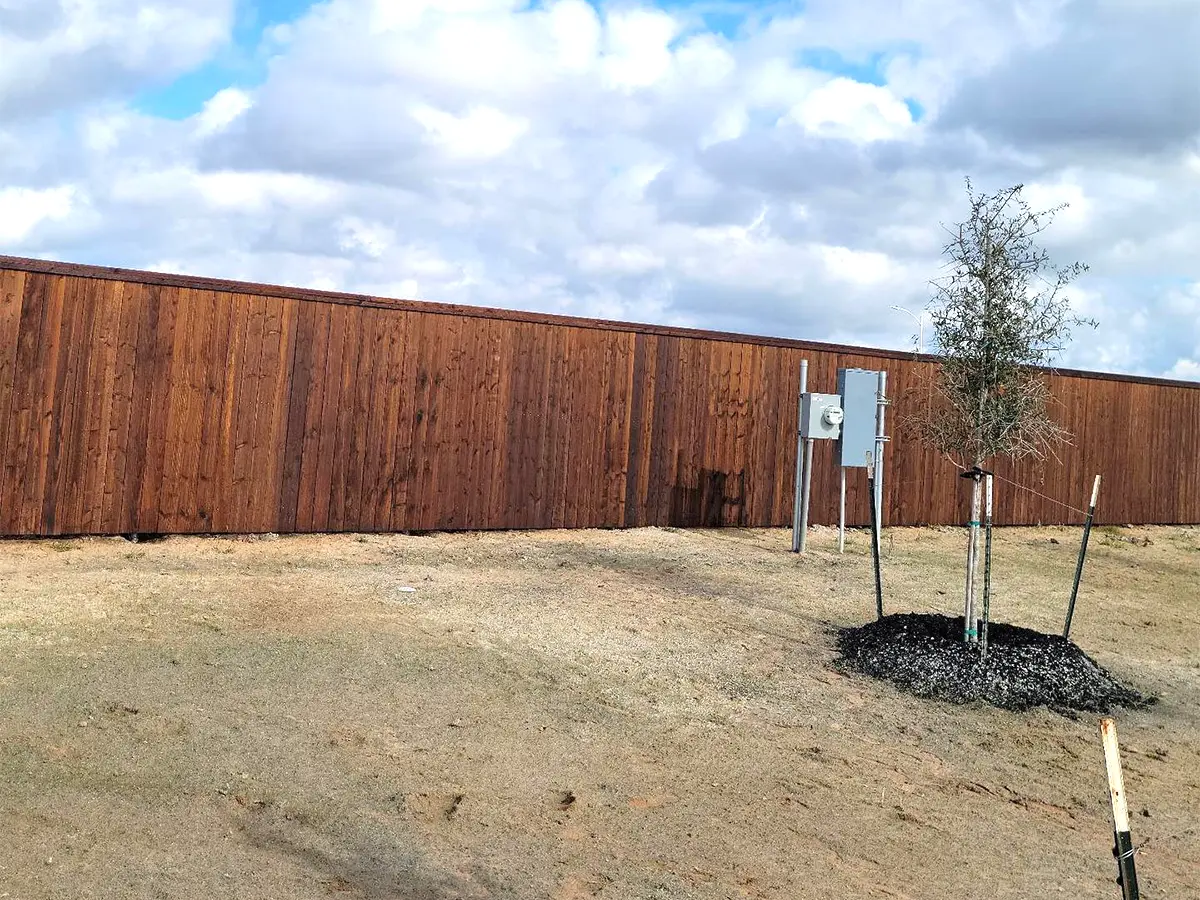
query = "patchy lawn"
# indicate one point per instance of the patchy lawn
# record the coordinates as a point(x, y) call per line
point(643, 714)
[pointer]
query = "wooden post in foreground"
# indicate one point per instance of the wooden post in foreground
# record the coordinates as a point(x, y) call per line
point(1123, 849)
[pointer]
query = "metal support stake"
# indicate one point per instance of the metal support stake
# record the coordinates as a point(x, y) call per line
point(880, 440)
point(842, 513)
point(875, 542)
point(1123, 847)
point(1087, 533)
point(798, 499)
point(987, 566)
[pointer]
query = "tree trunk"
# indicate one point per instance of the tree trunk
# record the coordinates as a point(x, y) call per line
point(970, 628)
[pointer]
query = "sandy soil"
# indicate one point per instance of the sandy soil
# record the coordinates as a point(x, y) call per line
point(646, 714)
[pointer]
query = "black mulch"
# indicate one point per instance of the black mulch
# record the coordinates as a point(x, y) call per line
point(924, 654)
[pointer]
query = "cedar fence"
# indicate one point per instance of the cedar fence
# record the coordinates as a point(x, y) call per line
point(140, 402)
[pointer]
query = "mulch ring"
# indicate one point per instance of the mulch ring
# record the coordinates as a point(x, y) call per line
point(924, 654)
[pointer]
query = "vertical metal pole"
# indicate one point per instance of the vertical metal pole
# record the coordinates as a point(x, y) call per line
point(842, 513)
point(798, 499)
point(987, 567)
point(875, 543)
point(880, 440)
point(1123, 848)
point(1087, 532)
point(808, 466)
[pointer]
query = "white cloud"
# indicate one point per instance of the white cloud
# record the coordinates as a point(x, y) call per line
point(1185, 369)
point(480, 134)
point(1184, 302)
point(703, 61)
point(370, 238)
point(22, 210)
point(864, 268)
point(576, 33)
point(61, 54)
point(254, 192)
point(222, 110)
point(638, 52)
point(624, 259)
point(848, 109)
point(102, 132)
point(727, 125)
point(1069, 198)
point(616, 159)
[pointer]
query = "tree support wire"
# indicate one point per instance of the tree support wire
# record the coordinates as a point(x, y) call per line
point(1021, 487)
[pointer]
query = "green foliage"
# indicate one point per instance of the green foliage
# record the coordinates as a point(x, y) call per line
point(1000, 316)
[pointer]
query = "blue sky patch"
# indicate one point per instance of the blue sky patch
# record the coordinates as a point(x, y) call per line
point(236, 65)
point(723, 18)
point(868, 70)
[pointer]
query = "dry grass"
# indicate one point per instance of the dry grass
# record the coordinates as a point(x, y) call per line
point(569, 714)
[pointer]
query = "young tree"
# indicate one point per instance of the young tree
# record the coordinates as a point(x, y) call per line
point(1000, 316)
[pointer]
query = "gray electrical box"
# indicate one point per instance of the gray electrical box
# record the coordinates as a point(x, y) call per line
point(820, 416)
point(859, 390)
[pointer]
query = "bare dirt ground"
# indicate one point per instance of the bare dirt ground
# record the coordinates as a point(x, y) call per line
point(646, 714)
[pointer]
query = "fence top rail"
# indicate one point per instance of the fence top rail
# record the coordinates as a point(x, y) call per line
point(196, 282)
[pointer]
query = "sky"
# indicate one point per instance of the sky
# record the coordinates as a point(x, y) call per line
point(779, 168)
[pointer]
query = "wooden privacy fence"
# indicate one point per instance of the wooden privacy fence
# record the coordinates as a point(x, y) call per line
point(139, 402)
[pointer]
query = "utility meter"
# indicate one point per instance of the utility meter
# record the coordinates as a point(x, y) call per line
point(820, 416)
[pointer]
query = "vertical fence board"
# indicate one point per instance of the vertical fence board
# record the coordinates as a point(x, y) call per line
point(347, 416)
point(405, 408)
point(44, 406)
point(102, 394)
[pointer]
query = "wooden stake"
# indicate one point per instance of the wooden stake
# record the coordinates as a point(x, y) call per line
point(987, 567)
point(1123, 848)
point(970, 632)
